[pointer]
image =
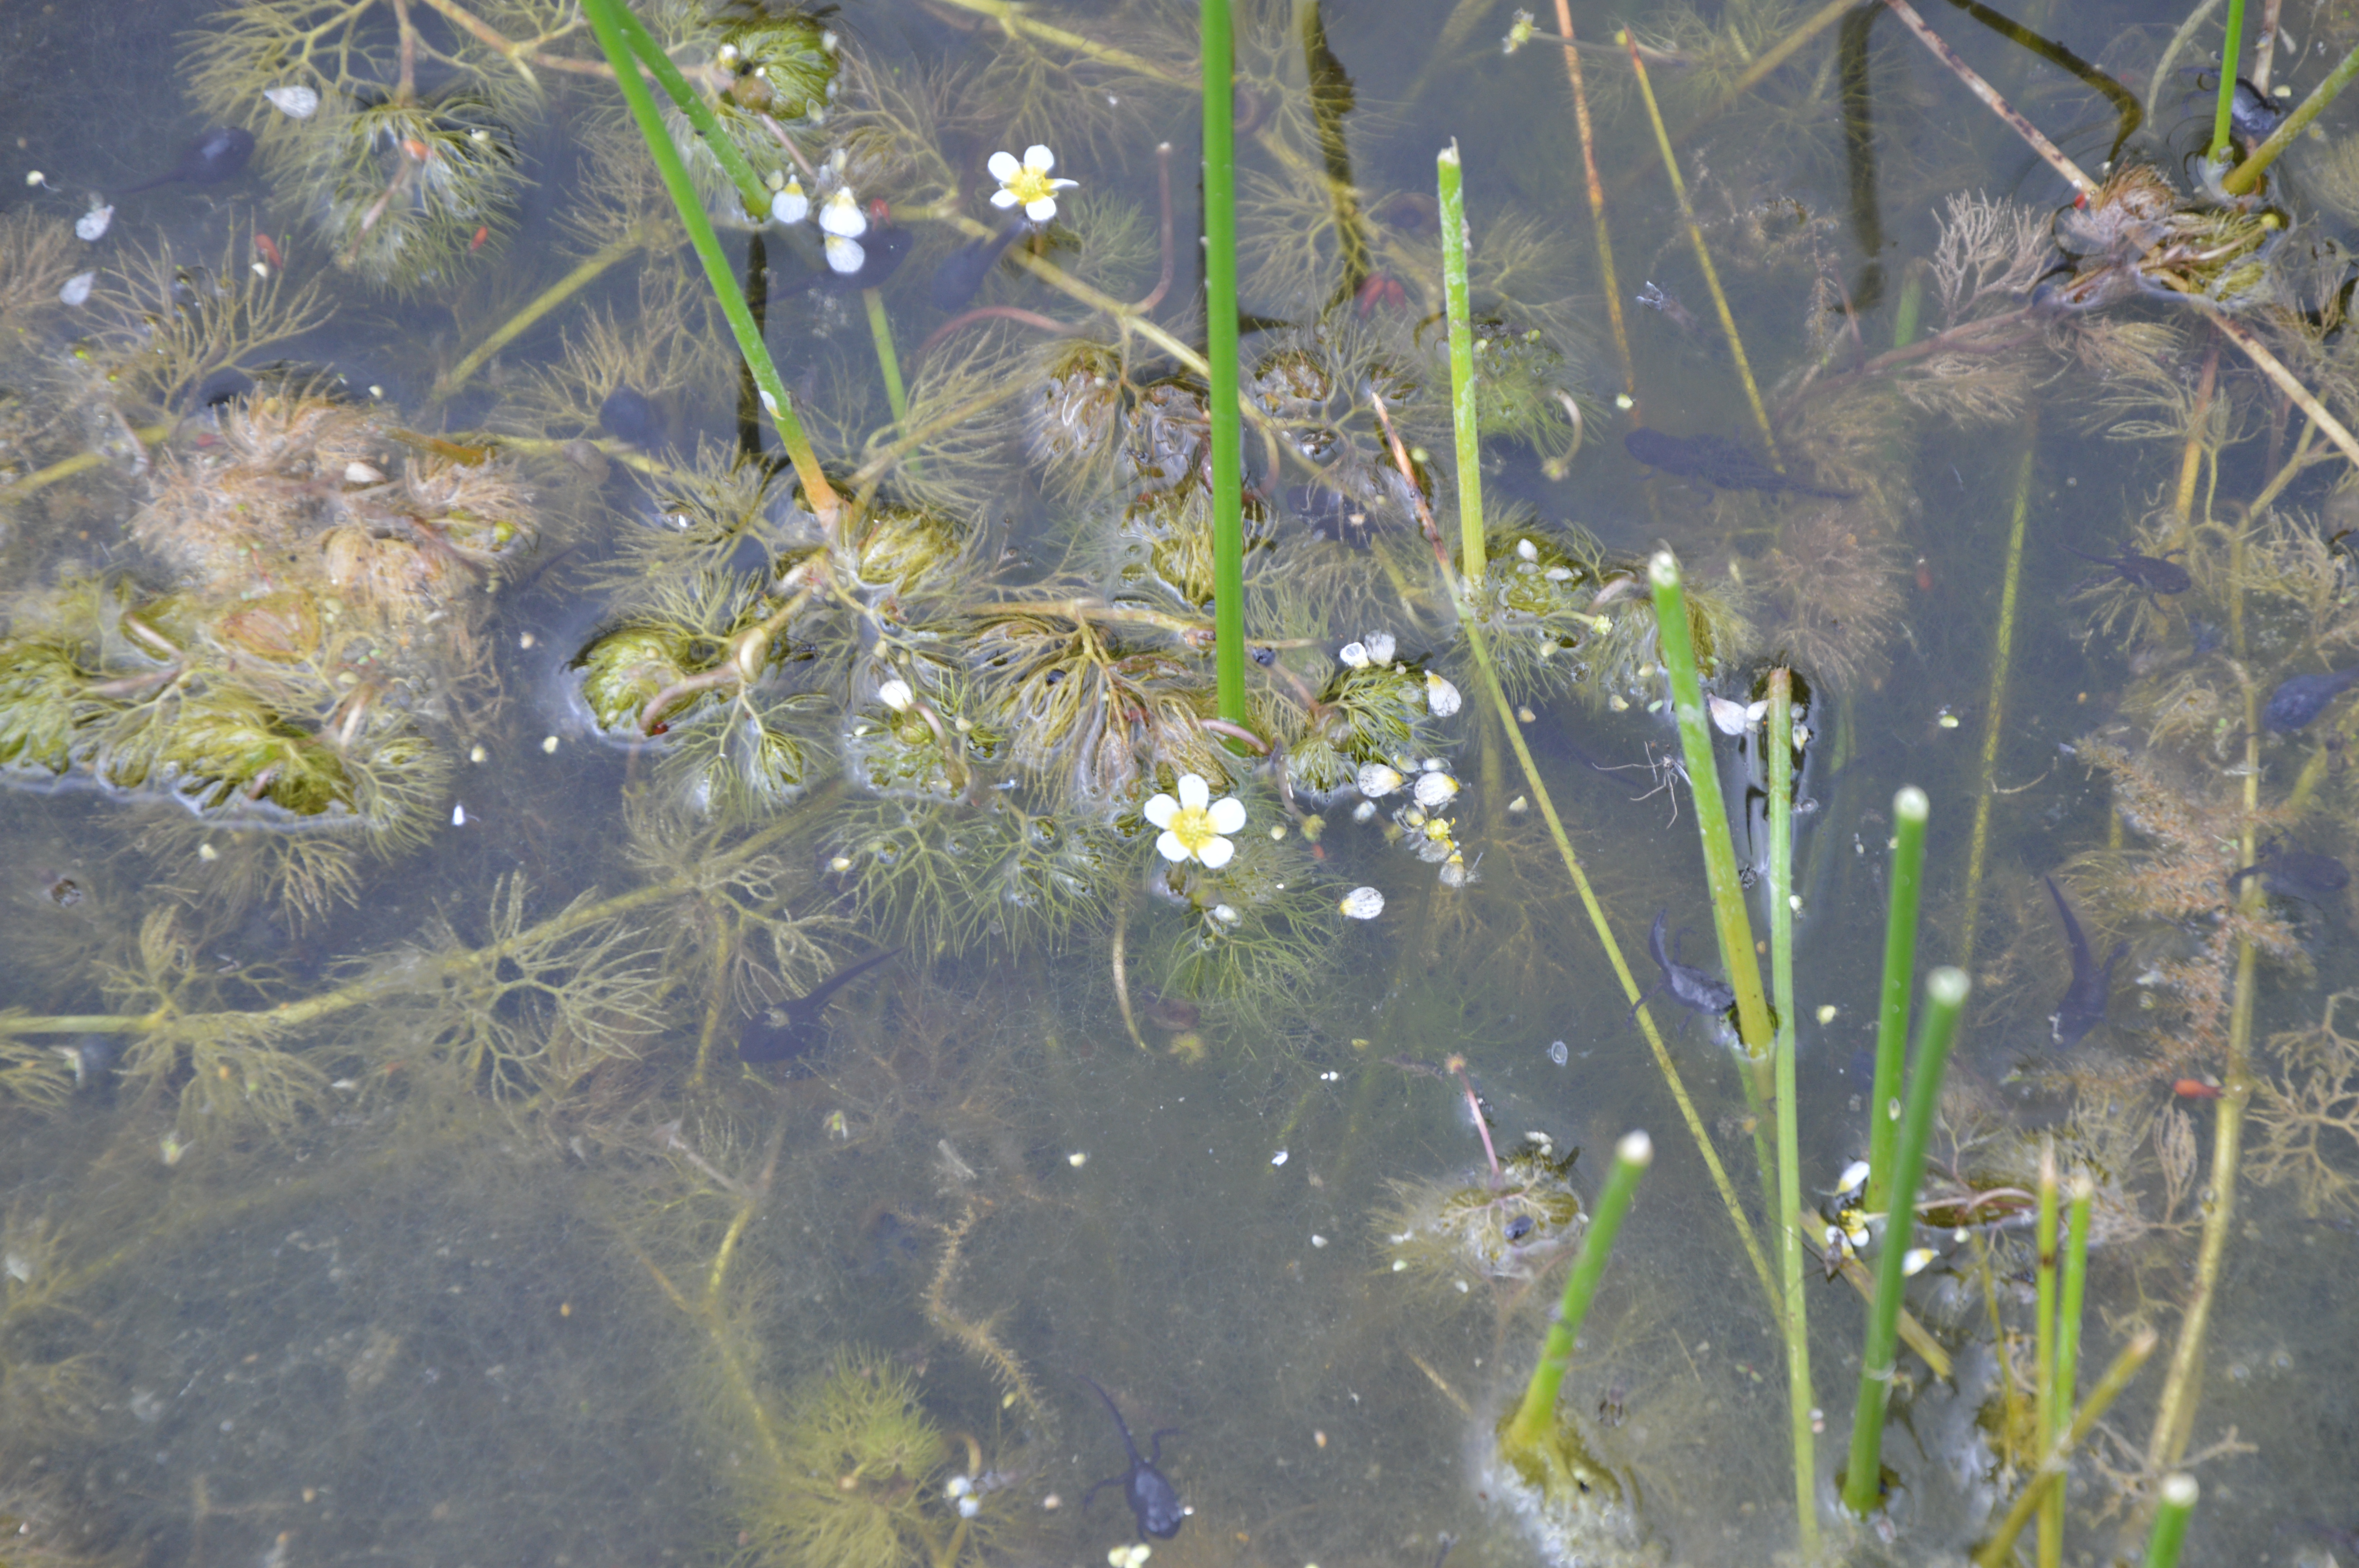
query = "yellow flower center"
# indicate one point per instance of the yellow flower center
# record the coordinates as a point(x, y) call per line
point(1029, 185)
point(1193, 827)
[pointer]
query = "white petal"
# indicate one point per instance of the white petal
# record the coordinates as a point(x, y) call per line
point(1064, 185)
point(842, 215)
point(1361, 903)
point(1004, 198)
point(1379, 646)
point(1216, 852)
point(1039, 158)
point(1376, 780)
point(791, 205)
point(1354, 654)
point(896, 695)
point(1041, 209)
point(843, 255)
point(1728, 716)
point(77, 287)
point(1161, 810)
point(1194, 793)
point(1440, 696)
point(1004, 166)
point(1228, 814)
point(1435, 790)
point(1169, 847)
point(93, 223)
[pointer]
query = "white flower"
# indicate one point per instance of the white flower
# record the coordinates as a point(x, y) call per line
point(1733, 717)
point(1435, 790)
point(295, 102)
point(1379, 645)
point(791, 205)
point(1028, 184)
point(1361, 903)
point(896, 695)
point(1192, 825)
point(1440, 697)
point(1376, 780)
point(845, 256)
point(841, 214)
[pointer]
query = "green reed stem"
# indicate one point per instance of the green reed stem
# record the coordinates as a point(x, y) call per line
point(880, 327)
point(612, 24)
point(1909, 811)
point(1945, 1000)
point(1676, 643)
point(1535, 1418)
point(2048, 1411)
point(751, 189)
point(1469, 476)
point(2232, 45)
point(2174, 1505)
point(1795, 1319)
point(1630, 987)
point(2079, 1192)
point(1999, 1550)
point(1221, 360)
point(2240, 179)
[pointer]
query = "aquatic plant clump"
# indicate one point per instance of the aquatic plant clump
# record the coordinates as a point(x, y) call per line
point(1507, 1224)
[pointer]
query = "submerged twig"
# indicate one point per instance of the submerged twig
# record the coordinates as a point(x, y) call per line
point(2049, 151)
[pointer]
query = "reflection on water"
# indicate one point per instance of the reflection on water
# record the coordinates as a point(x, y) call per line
point(452, 772)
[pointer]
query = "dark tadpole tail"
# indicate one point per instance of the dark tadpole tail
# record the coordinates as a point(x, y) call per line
point(962, 272)
point(840, 978)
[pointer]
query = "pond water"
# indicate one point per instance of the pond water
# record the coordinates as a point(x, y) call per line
point(446, 768)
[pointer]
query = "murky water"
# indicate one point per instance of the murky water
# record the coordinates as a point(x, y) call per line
point(434, 763)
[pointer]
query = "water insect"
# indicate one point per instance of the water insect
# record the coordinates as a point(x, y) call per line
point(1154, 1501)
point(791, 1028)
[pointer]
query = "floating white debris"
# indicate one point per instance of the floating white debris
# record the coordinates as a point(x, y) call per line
point(1435, 790)
point(1440, 697)
point(1361, 903)
point(359, 473)
point(78, 288)
point(295, 102)
point(93, 223)
point(1365, 812)
point(1558, 1052)
point(1278, 1158)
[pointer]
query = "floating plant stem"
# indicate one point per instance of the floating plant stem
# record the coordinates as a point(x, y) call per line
point(2079, 1193)
point(1221, 362)
point(1527, 1434)
point(1605, 277)
point(1676, 643)
point(609, 18)
point(2174, 1505)
point(2240, 179)
point(1909, 811)
point(2232, 45)
point(591, 268)
point(2000, 1548)
point(1704, 252)
point(1995, 703)
point(1945, 998)
point(1469, 475)
point(2049, 151)
point(1794, 1320)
